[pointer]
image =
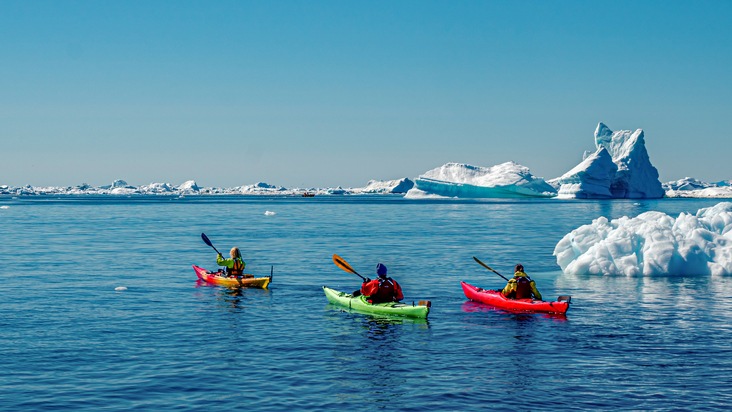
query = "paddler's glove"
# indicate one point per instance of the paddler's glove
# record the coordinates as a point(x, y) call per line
point(220, 255)
point(367, 280)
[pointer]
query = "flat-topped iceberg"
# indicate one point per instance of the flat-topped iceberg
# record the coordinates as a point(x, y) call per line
point(631, 176)
point(651, 244)
point(506, 180)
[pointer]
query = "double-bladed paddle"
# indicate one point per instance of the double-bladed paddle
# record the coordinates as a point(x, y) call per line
point(489, 268)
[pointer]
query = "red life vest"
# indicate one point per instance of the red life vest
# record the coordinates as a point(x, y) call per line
point(523, 287)
point(385, 293)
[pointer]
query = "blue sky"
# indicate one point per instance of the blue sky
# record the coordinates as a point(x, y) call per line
point(328, 93)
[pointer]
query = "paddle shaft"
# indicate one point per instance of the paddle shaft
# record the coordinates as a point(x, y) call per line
point(489, 268)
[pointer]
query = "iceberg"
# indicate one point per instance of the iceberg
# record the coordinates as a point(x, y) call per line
point(386, 186)
point(690, 187)
point(506, 180)
point(651, 244)
point(590, 179)
point(633, 178)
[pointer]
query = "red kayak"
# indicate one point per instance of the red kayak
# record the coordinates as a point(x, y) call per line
point(495, 298)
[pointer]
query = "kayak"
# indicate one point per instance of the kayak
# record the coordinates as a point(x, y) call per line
point(219, 278)
point(495, 298)
point(359, 303)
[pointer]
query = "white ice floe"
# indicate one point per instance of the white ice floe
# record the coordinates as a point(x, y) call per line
point(651, 244)
point(120, 288)
point(269, 213)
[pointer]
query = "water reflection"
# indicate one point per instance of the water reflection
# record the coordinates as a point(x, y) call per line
point(473, 307)
point(232, 299)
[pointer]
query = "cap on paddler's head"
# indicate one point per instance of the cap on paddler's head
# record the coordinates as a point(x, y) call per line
point(381, 270)
point(519, 268)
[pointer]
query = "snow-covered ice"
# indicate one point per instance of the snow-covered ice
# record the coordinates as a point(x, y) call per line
point(690, 187)
point(506, 180)
point(651, 244)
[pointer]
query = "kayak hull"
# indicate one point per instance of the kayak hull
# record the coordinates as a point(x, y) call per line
point(360, 304)
point(215, 278)
point(496, 299)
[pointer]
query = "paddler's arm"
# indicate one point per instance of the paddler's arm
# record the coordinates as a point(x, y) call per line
point(535, 291)
point(224, 262)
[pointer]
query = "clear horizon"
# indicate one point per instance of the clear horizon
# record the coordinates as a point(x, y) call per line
point(327, 93)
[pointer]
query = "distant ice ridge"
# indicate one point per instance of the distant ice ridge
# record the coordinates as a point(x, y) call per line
point(506, 180)
point(620, 168)
point(651, 244)
point(690, 187)
point(121, 187)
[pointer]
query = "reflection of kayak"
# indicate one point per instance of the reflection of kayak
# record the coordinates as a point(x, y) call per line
point(360, 304)
point(495, 298)
point(218, 278)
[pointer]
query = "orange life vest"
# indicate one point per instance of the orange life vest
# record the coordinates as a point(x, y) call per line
point(237, 269)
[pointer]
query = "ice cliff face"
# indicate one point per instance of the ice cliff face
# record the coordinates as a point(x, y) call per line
point(634, 176)
point(466, 181)
point(590, 179)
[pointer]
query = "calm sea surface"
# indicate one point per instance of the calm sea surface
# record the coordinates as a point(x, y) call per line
point(69, 341)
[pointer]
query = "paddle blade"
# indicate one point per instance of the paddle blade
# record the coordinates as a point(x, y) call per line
point(341, 263)
point(206, 240)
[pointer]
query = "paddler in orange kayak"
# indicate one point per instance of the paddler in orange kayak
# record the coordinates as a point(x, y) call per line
point(521, 286)
point(234, 266)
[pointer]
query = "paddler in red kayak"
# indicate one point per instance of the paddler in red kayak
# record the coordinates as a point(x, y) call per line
point(234, 266)
point(382, 289)
point(521, 286)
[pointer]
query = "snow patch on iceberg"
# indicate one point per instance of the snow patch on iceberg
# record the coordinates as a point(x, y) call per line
point(506, 180)
point(651, 244)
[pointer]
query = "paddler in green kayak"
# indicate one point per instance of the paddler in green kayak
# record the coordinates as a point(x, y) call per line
point(521, 286)
point(234, 266)
point(382, 289)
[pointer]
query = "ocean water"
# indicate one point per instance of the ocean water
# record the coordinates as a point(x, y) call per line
point(70, 341)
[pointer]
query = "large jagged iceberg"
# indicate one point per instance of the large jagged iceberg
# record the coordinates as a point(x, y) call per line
point(634, 176)
point(651, 244)
point(506, 180)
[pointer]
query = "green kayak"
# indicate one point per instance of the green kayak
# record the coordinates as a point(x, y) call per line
point(360, 304)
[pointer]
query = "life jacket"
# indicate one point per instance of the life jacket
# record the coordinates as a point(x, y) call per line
point(237, 269)
point(385, 293)
point(523, 287)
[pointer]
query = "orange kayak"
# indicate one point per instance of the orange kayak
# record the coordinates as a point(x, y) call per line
point(220, 278)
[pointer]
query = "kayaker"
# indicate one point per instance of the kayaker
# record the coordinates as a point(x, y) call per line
point(521, 286)
point(382, 289)
point(234, 266)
